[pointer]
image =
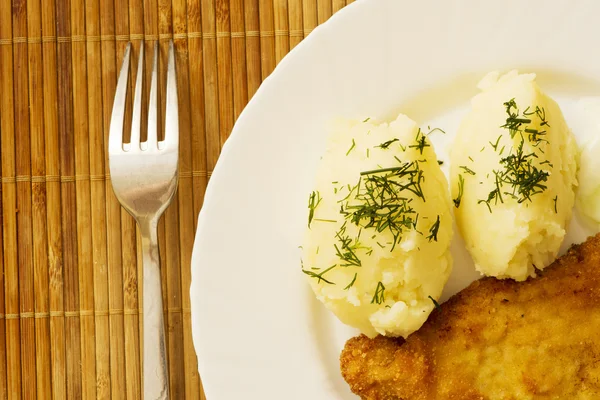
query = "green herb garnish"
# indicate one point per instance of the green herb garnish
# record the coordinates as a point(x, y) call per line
point(461, 186)
point(381, 202)
point(346, 251)
point(421, 142)
point(514, 121)
point(495, 145)
point(433, 231)
point(520, 174)
point(467, 170)
point(539, 112)
point(352, 282)
point(387, 144)
point(313, 201)
point(519, 177)
point(379, 296)
point(436, 304)
point(319, 276)
point(351, 147)
point(434, 130)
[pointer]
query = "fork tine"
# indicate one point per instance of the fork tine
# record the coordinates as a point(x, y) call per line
point(172, 112)
point(115, 137)
point(153, 107)
point(136, 123)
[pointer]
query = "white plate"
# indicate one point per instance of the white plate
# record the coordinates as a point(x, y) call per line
point(258, 332)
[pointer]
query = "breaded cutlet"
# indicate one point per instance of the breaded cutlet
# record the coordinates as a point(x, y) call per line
point(496, 339)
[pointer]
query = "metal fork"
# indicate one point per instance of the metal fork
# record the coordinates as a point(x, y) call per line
point(144, 179)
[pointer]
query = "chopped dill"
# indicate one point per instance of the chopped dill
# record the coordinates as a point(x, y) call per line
point(367, 152)
point(367, 119)
point(381, 202)
point(495, 146)
point(313, 201)
point(461, 186)
point(352, 282)
point(350, 191)
point(539, 112)
point(347, 252)
point(522, 177)
point(440, 162)
point(319, 277)
point(470, 159)
point(379, 296)
point(433, 231)
point(421, 142)
point(351, 147)
point(555, 201)
point(534, 136)
point(435, 130)
point(436, 304)
point(415, 222)
point(519, 172)
point(324, 220)
point(467, 170)
point(387, 144)
point(493, 195)
point(514, 121)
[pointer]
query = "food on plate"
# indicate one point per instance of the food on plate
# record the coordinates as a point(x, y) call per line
point(496, 339)
point(513, 176)
point(376, 249)
point(588, 192)
point(588, 196)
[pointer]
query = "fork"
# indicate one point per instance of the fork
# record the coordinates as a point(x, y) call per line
point(144, 178)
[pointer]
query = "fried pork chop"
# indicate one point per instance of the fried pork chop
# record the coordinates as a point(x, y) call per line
point(496, 339)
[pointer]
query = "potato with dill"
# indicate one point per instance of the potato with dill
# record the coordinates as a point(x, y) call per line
point(376, 249)
point(513, 175)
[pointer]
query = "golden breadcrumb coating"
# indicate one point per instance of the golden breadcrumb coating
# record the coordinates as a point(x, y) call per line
point(496, 339)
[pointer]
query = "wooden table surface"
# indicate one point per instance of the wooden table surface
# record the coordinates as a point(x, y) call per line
point(69, 295)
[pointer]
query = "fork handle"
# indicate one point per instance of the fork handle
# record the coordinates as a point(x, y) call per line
point(156, 381)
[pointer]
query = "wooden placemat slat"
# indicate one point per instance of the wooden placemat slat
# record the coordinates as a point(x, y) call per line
point(253, 53)
point(23, 211)
point(39, 211)
point(9, 221)
point(70, 267)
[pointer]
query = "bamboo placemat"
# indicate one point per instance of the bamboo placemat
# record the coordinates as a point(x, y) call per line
point(70, 311)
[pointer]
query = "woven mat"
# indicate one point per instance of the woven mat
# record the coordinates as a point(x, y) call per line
point(69, 294)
